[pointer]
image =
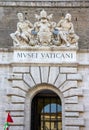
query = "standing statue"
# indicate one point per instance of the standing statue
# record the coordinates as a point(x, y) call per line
point(66, 31)
point(23, 32)
point(44, 28)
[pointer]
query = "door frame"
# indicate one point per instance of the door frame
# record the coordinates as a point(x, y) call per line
point(47, 98)
point(31, 94)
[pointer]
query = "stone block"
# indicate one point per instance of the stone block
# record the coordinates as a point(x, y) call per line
point(72, 128)
point(74, 121)
point(16, 92)
point(74, 107)
point(86, 106)
point(74, 77)
point(15, 107)
point(18, 121)
point(20, 69)
point(73, 92)
point(15, 76)
point(68, 70)
point(44, 74)
point(71, 114)
point(71, 100)
point(16, 99)
point(16, 127)
point(28, 79)
point(17, 114)
point(20, 84)
point(67, 85)
point(54, 71)
point(35, 72)
point(60, 80)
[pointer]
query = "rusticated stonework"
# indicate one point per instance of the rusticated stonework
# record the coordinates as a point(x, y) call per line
point(44, 56)
point(27, 79)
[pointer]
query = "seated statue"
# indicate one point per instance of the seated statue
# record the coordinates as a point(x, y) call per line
point(44, 28)
point(23, 33)
point(66, 31)
point(44, 31)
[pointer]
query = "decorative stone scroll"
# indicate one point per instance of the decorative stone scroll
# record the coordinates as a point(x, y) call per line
point(44, 32)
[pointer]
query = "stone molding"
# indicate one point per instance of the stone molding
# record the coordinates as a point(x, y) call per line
point(6, 57)
point(83, 4)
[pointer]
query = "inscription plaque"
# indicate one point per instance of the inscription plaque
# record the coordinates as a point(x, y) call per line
point(45, 56)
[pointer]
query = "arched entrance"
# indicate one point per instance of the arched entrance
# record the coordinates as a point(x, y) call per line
point(46, 111)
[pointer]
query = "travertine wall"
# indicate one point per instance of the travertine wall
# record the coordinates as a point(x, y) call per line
point(17, 89)
point(79, 11)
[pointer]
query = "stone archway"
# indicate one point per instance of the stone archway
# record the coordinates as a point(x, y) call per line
point(31, 95)
point(28, 81)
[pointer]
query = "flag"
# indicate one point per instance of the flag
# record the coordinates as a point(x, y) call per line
point(8, 120)
point(6, 126)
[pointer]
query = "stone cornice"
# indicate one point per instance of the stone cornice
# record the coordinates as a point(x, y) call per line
point(11, 49)
point(69, 3)
point(37, 48)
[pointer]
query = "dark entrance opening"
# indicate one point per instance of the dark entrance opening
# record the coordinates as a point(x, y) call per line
point(46, 111)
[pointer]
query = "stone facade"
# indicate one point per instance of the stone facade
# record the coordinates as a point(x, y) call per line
point(20, 81)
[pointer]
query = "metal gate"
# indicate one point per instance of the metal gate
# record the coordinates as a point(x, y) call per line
point(46, 111)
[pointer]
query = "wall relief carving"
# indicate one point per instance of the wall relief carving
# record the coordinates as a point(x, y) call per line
point(45, 32)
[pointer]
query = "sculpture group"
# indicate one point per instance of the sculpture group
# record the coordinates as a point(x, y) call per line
point(45, 32)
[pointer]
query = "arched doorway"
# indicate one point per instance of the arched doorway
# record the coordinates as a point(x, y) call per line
point(46, 111)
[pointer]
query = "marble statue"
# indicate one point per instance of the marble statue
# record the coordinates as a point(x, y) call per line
point(45, 32)
point(23, 32)
point(66, 31)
